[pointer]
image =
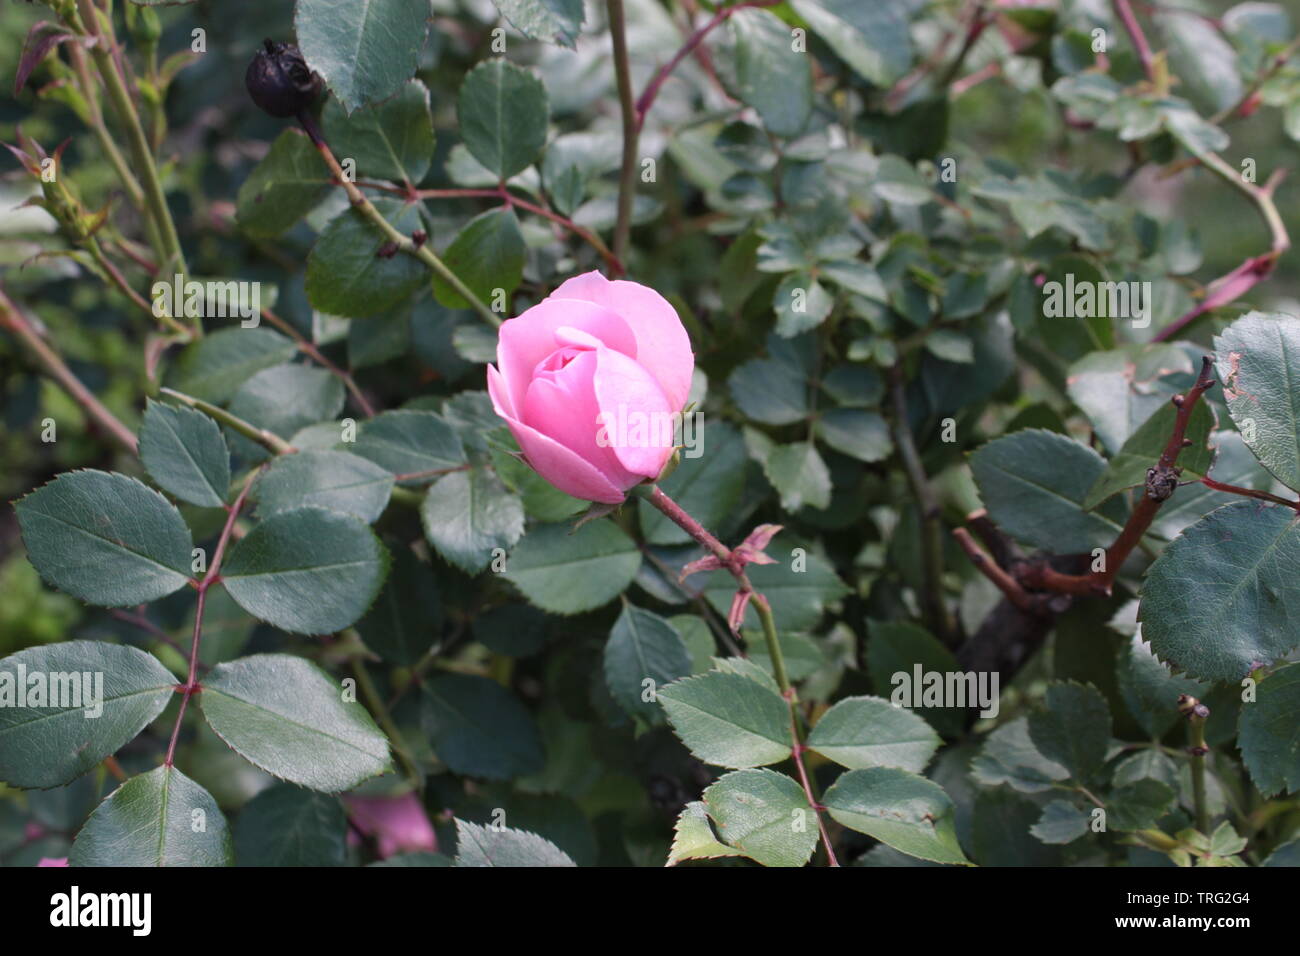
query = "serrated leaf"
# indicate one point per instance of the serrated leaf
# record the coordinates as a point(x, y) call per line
point(105, 538)
point(183, 451)
point(283, 400)
point(862, 732)
point(1072, 728)
point(1223, 598)
point(1259, 365)
point(1150, 691)
point(287, 716)
point(503, 115)
point(1010, 757)
point(910, 813)
point(765, 815)
point(1034, 482)
point(416, 446)
point(489, 846)
point(487, 255)
point(289, 182)
point(406, 619)
point(214, 367)
point(799, 475)
point(389, 140)
point(858, 433)
point(288, 826)
point(555, 21)
point(363, 51)
point(729, 720)
point(643, 646)
point(694, 839)
point(479, 729)
point(149, 821)
point(347, 275)
point(1269, 734)
point(328, 479)
point(897, 647)
point(772, 77)
point(94, 699)
point(568, 572)
point(1061, 822)
point(468, 515)
point(307, 571)
point(873, 39)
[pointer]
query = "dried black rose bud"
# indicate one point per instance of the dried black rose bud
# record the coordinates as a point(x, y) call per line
point(279, 80)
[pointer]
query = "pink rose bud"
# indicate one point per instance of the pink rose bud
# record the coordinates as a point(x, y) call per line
point(591, 381)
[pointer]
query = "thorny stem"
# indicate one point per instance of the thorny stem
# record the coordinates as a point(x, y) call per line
point(13, 320)
point(1196, 714)
point(936, 611)
point(1099, 582)
point(403, 242)
point(169, 248)
point(268, 440)
point(191, 685)
point(307, 347)
point(675, 513)
point(631, 128)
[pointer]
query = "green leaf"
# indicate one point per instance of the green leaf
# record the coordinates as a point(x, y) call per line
point(489, 846)
point(468, 515)
point(290, 718)
point(898, 182)
point(1144, 447)
point(105, 538)
point(694, 839)
point(515, 630)
point(707, 485)
point(479, 729)
point(287, 826)
point(416, 446)
point(1139, 805)
point(154, 820)
point(405, 621)
point(289, 182)
point(364, 52)
point(1061, 822)
point(503, 116)
point(329, 479)
point(307, 571)
point(1034, 482)
point(566, 572)
point(185, 454)
point(729, 720)
point(798, 586)
point(872, 38)
point(1269, 735)
point(643, 646)
point(1222, 599)
point(765, 815)
point(284, 399)
point(389, 140)
point(554, 21)
point(910, 813)
point(773, 78)
point(774, 390)
point(1150, 691)
point(1073, 728)
point(1259, 365)
point(799, 475)
point(216, 365)
point(897, 647)
point(801, 303)
point(862, 732)
point(488, 256)
point(1010, 757)
point(856, 432)
point(94, 699)
point(347, 275)
point(1120, 389)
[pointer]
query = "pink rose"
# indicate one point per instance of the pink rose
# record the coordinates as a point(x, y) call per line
point(590, 381)
point(399, 824)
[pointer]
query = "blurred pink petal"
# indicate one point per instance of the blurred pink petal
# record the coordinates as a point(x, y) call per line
point(53, 861)
point(398, 824)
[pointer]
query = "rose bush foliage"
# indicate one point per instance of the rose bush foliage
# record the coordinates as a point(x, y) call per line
point(318, 553)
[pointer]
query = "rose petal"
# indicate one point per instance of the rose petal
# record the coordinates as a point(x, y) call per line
point(527, 339)
point(662, 345)
point(563, 406)
point(637, 413)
